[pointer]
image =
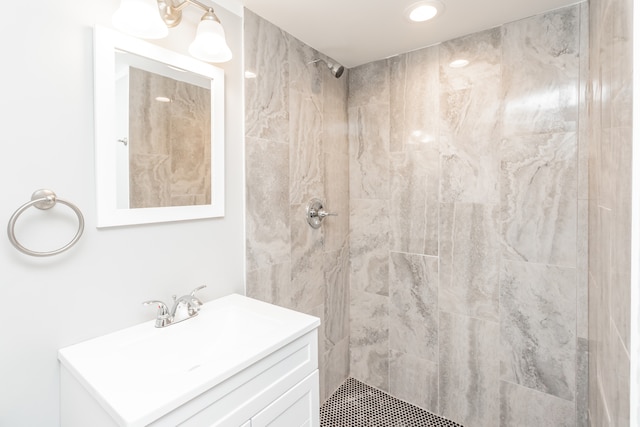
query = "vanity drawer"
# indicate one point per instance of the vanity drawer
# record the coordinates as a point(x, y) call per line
point(299, 407)
point(235, 401)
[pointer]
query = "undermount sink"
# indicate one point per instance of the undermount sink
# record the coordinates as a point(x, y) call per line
point(141, 373)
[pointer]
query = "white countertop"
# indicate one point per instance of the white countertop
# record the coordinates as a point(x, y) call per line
point(141, 373)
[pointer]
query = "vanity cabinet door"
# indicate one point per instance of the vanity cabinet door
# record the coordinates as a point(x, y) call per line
point(298, 407)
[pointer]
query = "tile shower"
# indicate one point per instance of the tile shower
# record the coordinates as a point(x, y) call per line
point(455, 276)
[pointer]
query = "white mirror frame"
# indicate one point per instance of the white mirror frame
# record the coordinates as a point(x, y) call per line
point(106, 41)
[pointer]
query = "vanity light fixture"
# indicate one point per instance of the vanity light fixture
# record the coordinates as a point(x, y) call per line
point(150, 19)
point(140, 18)
point(423, 10)
point(210, 44)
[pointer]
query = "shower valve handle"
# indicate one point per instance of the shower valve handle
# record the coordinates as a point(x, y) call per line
point(322, 213)
point(316, 213)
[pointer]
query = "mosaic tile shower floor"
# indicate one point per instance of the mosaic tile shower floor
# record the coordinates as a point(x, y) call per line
point(355, 404)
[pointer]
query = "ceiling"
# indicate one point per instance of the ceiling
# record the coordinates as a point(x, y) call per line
point(354, 32)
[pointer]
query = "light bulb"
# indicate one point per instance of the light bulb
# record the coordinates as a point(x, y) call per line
point(140, 18)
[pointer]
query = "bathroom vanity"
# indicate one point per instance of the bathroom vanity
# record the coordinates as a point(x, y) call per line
point(239, 362)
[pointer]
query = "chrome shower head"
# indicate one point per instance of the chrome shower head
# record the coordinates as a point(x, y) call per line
point(336, 69)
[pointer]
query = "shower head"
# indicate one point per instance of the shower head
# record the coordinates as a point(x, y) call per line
point(336, 69)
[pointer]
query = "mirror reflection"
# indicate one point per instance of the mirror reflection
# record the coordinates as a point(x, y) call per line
point(159, 133)
point(163, 130)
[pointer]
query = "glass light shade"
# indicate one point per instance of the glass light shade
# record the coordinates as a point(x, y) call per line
point(140, 18)
point(210, 44)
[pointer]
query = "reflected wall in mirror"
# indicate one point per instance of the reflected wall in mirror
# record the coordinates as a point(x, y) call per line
point(159, 133)
point(164, 126)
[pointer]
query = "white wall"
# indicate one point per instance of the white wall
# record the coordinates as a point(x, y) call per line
point(46, 132)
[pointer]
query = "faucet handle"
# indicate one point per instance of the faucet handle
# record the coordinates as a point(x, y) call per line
point(193, 292)
point(163, 310)
point(163, 318)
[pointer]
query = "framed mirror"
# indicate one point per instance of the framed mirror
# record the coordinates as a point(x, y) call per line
point(159, 133)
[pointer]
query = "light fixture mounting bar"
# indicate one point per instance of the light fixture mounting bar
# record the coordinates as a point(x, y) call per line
point(171, 12)
point(200, 5)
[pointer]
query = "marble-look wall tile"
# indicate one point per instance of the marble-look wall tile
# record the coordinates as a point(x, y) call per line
point(369, 151)
point(615, 377)
point(469, 370)
point(601, 417)
point(336, 180)
point(607, 171)
point(335, 143)
point(541, 71)
point(414, 100)
point(538, 181)
point(538, 327)
point(297, 147)
point(507, 188)
point(413, 308)
point(335, 130)
point(594, 319)
point(582, 383)
point(148, 175)
point(369, 338)
point(605, 44)
point(369, 84)
point(266, 284)
point(305, 77)
point(582, 270)
point(621, 257)
point(523, 407)
point(322, 340)
point(470, 260)
point(305, 149)
point(601, 292)
point(397, 92)
point(268, 236)
point(414, 380)
point(169, 144)
point(584, 96)
point(144, 137)
point(414, 202)
point(369, 241)
point(307, 266)
point(336, 273)
point(483, 50)
point(621, 83)
point(266, 53)
point(595, 134)
point(336, 364)
point(470, 118)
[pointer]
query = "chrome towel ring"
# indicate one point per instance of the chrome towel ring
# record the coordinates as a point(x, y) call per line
point(43, 199)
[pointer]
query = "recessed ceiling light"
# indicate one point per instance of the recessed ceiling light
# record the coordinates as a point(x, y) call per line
point(249, 75)
point(163, 99)
point(423, 11)
point(458, 63)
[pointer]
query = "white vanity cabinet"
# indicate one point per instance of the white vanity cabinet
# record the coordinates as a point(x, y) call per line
point(271, 380)
point(280, 390)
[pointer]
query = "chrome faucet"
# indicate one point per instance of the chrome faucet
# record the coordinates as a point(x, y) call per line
point(177, 314)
